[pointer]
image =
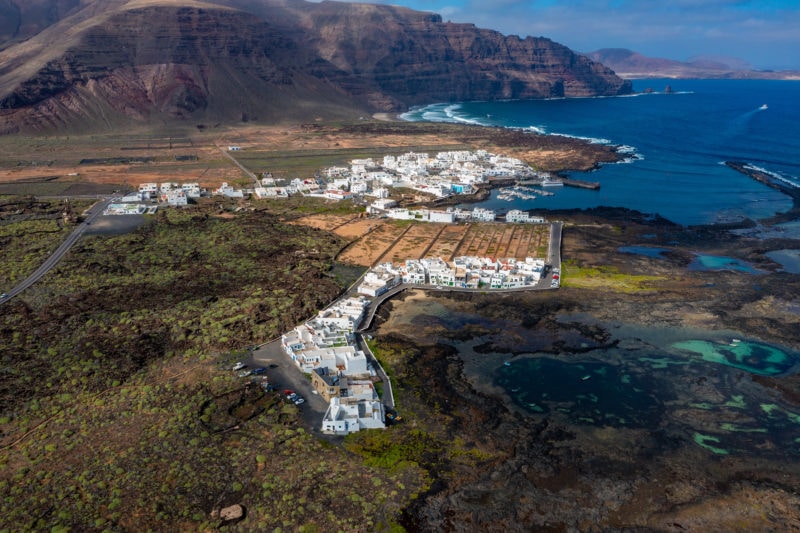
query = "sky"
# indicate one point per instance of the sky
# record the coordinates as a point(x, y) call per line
point(763, 33)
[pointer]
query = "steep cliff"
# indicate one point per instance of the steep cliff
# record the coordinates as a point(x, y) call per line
point(112, 62)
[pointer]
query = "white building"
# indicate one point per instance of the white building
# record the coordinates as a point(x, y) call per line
point(174, 197)
point(345, 360)
point(359, 187)
point(192, 190)
point(517, 216)
point(379, 280)
point(229, 191)
point(483, 215)
point(151, 189)
point(441, 217)
point(272, 192)
point(413, 272)
point(344, 314)
point(349, 415)
point(384, 203)
point(338, 194)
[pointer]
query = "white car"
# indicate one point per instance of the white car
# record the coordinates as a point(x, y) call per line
point(239, 366)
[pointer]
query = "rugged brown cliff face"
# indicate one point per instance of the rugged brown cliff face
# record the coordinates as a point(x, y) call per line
point(111, 63)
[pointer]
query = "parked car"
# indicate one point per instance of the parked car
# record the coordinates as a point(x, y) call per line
point(244, 373)
point(287, 392)
point(298, 401)
point(258, 370)
point(239, 366)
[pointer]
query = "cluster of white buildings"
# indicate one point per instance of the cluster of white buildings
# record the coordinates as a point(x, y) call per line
point(478, 214)
point(177, 194)
point(445, 174)
point(325, 348)
point(463, 272)
point(451, 215)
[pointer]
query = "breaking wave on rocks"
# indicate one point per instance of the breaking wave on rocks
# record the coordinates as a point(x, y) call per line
point(671, 140)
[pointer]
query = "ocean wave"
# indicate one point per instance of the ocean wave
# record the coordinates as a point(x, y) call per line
point(452, 113)
point(591, 140)
point(535, 129)
point(789, 180)
point(442, 113)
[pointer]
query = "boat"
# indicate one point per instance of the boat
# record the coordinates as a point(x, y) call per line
point(587, 376)
point(763, 106)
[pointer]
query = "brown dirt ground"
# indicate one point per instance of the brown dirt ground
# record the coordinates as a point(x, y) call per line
point(357, 228)
point(327, 222)
point(26, 159)
point(398, 242)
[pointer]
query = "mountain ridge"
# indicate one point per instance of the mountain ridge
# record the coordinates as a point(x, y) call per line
point(632, 65)
point(270, 60)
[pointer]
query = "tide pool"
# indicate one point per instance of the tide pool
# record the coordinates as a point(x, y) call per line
point(648, 251)
point(751, 357)
point(715, 262)
point(788, 259)
point(587, 392)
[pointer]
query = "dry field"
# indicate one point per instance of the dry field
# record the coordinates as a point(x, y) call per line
point(370, 248)
point(378, 240)
point(413, 243)
point(286, 151)
point(129, 160)
point(505, 240)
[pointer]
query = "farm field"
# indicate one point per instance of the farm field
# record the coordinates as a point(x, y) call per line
point(377, 241)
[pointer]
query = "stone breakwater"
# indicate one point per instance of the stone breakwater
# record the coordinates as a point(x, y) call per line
point(769, 179)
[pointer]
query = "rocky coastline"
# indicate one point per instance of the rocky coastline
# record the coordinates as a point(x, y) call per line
point(546, 472)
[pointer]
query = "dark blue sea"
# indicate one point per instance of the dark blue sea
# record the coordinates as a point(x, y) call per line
point(676, 145)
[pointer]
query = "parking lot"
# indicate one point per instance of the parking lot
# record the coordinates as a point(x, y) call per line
point(284, 374)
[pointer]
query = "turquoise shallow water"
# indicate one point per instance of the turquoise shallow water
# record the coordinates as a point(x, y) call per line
point(675, 144)
point(714, 262)
point(752, 357)
point(651, 380)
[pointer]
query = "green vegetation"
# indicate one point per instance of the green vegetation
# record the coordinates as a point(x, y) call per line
point(29, 231)
point(115, 412)
point(606, 278)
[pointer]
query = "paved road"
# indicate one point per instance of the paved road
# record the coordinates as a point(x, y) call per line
point(58, 254)
point(244, 169)
point(284, 374)
point(554, 252)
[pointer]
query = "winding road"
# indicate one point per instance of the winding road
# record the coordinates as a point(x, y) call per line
point(53, 259)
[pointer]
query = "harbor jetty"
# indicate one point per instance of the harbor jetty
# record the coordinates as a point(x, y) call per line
point(769, 179)
point(581, 184)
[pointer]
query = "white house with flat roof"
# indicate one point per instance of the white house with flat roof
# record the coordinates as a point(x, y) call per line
point(345, 360)
point(349, 415)
point(522, 217)
point(151, 189)
point(379, 280)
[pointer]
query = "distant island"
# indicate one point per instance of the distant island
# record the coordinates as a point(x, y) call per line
point(633, 65)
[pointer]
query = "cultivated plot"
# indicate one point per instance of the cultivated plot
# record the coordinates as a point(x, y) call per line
point(371, 248)
point(382, 241)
